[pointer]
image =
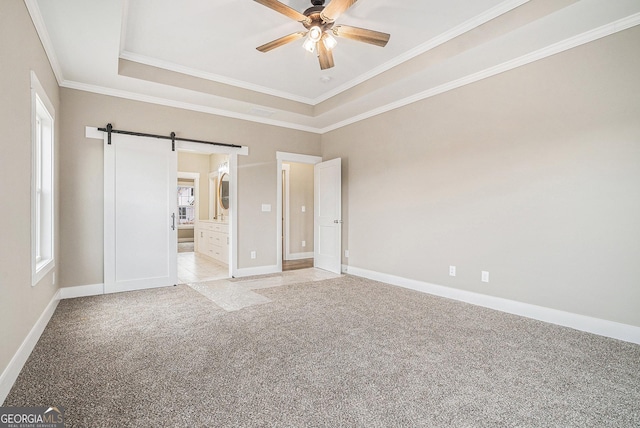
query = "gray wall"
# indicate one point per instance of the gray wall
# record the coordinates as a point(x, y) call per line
point(81, 168)
point(20, 52)
point(532, 175)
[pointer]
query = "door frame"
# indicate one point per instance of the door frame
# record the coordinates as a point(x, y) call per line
point(196, 190)
point(286, 157)
point(233, 153)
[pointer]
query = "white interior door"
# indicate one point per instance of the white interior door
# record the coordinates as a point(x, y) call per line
point(328, 215)
point(140, 228)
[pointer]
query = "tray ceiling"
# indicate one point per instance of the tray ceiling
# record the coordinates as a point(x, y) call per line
point(201, 55)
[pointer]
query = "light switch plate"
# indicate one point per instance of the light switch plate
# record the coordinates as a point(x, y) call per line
point(266, 208)
point(304, 209)
point(485, 276)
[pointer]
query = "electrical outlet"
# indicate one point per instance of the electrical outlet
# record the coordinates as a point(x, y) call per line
point(452, 271)
point(304, 209)
point(485, 276)
point(253, 254)
point(346, 254)
point(304, 243)
point(266, 208)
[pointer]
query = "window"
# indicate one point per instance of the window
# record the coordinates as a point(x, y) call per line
point(186, 210)
point(42, 217)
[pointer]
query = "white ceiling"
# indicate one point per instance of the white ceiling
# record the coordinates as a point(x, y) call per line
point(201, 55)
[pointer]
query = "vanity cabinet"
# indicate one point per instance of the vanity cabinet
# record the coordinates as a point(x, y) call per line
point(213, 240)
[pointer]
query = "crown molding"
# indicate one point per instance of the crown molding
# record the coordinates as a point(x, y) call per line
point(440, 39)
point(581, 39)
point(41, 29)
point(586, 37)
point(182, 105)
point(166, 65)
point(466, 26)
point(572, 42)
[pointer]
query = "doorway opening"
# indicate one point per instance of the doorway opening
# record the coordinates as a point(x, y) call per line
point(203, 201)
point(297, 215)
point(327, 210)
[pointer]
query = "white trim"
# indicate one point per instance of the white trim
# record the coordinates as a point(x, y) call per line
point(570, 43)
point(440, 39)
point(585, 323)
point(213, 185)
point(195, 176)
point(504, 7)
point(11, 372)
point(81, 291)
point(123, 24)
point(298, 158)
point(93, 132)
point(286, 157)
point(41, 29)
point(299, 256)
point(166, 65)
point(119, 93)
point(233, 214)
point(286, 233)
point(40, 268)
point(259, 270)
point(466, 26)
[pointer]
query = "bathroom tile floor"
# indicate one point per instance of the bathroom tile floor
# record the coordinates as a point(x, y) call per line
point(237, 293)
point(195, 267)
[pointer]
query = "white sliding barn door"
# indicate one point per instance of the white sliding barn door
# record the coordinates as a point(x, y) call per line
point(328, 215)
point(140, 204)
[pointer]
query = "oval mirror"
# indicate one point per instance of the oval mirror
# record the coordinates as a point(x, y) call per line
point(223, 191)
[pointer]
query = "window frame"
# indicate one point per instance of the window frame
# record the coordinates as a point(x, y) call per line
point(192, 206)
point(42, 182)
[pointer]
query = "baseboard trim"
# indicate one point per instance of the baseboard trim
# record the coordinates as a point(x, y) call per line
point(259, 270)
point(11, 372)
point(299, 256)
point(81, 291)
point(598, 326)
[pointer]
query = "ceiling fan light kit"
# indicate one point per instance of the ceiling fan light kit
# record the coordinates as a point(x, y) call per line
point(318, 21)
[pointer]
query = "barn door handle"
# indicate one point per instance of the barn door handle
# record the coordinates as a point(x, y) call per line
point(337, 221)
point(173, 221)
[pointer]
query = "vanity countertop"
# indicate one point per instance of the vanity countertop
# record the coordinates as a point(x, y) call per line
point(214, 221)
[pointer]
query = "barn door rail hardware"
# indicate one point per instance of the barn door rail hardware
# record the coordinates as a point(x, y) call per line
point(109, 130)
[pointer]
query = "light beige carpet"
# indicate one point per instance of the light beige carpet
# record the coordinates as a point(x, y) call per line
point(338, 352)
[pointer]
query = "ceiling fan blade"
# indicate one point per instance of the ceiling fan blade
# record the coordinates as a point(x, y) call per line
point(324, 56)
point(283, 9)
point(281, 41)
point(335, 9)
point(362, 35)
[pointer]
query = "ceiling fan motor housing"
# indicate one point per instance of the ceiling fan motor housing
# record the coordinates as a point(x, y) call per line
point(315, 20)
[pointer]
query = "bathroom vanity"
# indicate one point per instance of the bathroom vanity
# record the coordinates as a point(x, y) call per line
point(212, 239)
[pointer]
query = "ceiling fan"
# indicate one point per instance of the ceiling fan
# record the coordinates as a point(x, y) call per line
point(319, 21)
